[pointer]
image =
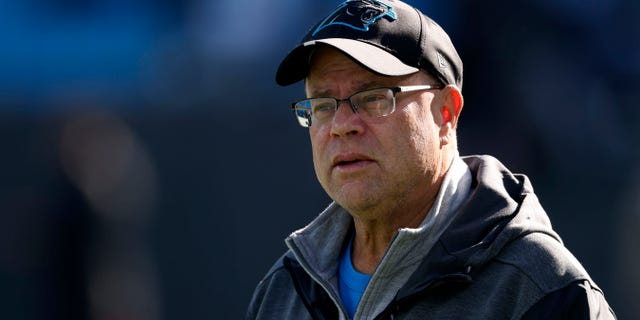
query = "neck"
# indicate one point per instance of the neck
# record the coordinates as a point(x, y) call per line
point(375, 231)
point(373, 237)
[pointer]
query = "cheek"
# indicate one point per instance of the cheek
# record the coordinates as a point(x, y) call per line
point(318, 145)
point(423, 134)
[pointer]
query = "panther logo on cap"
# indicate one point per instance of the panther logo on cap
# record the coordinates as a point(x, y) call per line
point(358, 15)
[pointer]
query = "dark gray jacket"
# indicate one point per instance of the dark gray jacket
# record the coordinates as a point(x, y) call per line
point(498, 258)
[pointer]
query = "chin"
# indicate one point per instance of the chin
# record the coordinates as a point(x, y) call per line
point(356, 201)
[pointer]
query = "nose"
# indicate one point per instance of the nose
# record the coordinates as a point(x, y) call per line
point(346, 120)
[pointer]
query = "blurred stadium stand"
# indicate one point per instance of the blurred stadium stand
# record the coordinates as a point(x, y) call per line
point(151, 168)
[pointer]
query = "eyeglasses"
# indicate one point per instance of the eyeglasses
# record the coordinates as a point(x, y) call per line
point(368, 104)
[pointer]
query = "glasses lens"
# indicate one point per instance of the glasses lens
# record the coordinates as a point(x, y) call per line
point(316, 110)
point(322, 109)
point(374, 103)
point(302, 110)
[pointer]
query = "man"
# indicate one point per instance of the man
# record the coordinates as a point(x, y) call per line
point(415, 231)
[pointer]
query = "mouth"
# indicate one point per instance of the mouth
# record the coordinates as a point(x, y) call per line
point(347, 162)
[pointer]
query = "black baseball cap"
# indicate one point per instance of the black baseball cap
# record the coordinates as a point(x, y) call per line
point(385, 36)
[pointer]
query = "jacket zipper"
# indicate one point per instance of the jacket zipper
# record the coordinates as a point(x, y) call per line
point(318, 280)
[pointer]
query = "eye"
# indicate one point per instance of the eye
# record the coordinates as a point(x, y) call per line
point(375, 102)
point(323, 106)
point(373, 97)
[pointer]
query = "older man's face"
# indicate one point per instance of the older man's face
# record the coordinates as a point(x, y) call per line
point(373, 164)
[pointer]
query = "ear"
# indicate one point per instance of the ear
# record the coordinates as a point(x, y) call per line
point(450, 109)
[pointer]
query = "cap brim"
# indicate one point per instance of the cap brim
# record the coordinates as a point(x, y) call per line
point(295, 65)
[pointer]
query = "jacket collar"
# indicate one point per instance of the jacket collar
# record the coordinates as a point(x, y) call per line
point(501, 208)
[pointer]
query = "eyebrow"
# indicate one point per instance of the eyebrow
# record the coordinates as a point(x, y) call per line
point(370, 84)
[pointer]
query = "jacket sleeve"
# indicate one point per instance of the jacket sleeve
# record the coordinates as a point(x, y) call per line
point(578, 300)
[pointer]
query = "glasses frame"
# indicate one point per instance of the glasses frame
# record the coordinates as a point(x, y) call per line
point(306, 122)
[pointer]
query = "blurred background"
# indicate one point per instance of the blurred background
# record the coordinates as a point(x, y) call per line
point(151, 168)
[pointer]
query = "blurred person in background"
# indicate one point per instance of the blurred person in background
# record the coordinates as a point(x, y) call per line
point(415, 230)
